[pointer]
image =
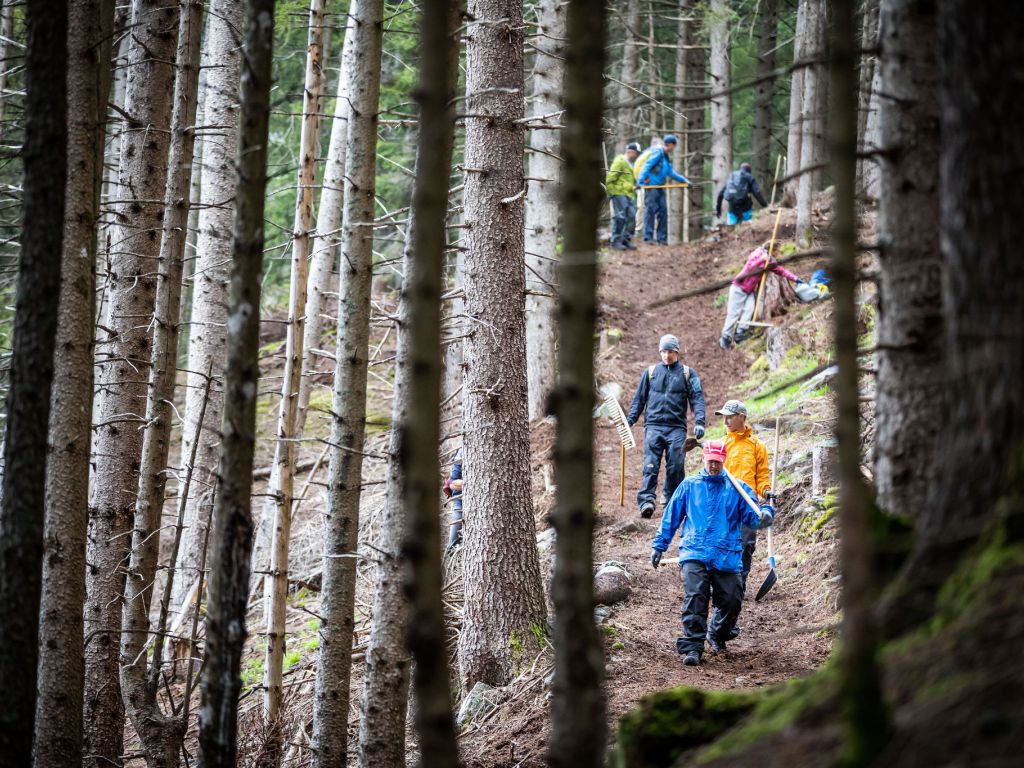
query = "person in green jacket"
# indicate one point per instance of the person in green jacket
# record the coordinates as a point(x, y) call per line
point(621, 186)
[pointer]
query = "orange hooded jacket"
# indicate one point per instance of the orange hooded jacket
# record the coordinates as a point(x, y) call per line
point(747, 460)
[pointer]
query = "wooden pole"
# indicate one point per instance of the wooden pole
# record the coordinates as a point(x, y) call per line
point(775, 181)
point(622, 477)
point(768, 258)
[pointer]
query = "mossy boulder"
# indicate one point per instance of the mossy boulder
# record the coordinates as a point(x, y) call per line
point(668, 723)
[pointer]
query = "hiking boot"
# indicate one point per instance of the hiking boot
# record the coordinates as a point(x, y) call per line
point(630, 246)
point(692, 659)
point(734, 632)
point(618, 247)
point(647, 509)
point(715, 645)
point(724, 342)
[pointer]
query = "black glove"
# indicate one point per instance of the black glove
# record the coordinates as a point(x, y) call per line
point(698, 432)
point(655, 557)
point(771, 497)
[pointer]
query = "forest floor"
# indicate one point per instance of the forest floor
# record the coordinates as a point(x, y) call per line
point(786, 635)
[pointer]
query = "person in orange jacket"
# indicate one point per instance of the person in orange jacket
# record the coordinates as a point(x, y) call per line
point(747, 461)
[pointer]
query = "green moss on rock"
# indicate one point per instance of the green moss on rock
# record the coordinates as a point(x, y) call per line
point(668, 723)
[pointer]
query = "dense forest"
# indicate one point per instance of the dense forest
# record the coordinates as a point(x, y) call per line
point(320, 325)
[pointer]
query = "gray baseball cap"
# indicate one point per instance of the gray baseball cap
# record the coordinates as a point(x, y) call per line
point(668, 341)
point(731, 408)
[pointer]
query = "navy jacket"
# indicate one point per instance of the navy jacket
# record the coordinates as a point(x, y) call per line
point(664, 393)
point(710, 512)
point(738, 188)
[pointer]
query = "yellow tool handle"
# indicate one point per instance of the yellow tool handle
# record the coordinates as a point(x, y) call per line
point(665, 186)
point(771, 247)
point(622, 478)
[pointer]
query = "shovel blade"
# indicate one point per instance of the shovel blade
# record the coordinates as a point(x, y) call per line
point(769, 582)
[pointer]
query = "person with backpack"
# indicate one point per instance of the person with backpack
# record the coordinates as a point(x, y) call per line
point(620, 184)
point(738, 188)
point(743, 294)
point(663, 394)
point(655, 168)
point(710, 509)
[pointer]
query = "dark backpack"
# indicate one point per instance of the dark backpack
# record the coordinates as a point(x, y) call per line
point(737, 188)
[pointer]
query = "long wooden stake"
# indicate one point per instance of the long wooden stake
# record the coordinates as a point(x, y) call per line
point(775, 181)
point(767, 261)
point(666, 186)
point(622, 477)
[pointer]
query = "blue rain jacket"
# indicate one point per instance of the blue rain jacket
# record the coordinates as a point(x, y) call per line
point(658, 169)
point(711, 512)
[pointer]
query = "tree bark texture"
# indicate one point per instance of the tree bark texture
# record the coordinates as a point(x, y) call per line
point(282, 480)
point(626, 96)
point(31, 373)
point(160, 734)
point(348, 428)
point(123, 355)
point(388, 657)
point(678, 205)
point(764, 92)
point(232, 518)
point(868, 66)
point(504, 603)
point(984, 309)
point(812, 120)
point(420, 428)
point(207, 330)
point(323, 270)
point(697, 140)
point(542, 207)
point(577, 705)
point(795, 137)
point(6, 35)
point(865, 712)
point(908, 409)
point(58, 734)
point(719, 21)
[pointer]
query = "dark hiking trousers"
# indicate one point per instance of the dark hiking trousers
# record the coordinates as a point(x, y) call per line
point(701, 585)
point(660, 440)
point(749, 536)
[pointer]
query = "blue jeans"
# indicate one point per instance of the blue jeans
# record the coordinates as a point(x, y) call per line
point(655, 208)
point(660, 440)
point(624, 220)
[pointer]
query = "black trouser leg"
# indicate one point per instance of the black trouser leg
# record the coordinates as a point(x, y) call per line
point(727, 592)
point(749, 538)
point(697, 593)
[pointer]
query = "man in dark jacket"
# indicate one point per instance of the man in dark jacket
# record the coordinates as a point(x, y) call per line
point(664, 391)
point(710, 509)
point(738, 188)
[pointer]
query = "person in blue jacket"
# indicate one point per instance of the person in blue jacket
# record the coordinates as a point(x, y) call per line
point(664, 391)
point(710, 511)
point(653, 173)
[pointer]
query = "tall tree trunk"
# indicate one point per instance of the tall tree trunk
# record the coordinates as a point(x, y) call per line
point(159, 734)
point(325, 246)
point(625, 121)
point(58, 735)
point(31, 372)
point(207, 326)
point(764, 94)
point(795, 137)
point(811, 121)
point(232, 519)
point(420, 429)
point(719, 21)
point(679, 205)
point(908, 409)
point(123, 356)
point(286, 450)
point(697, 139)
point(348, 429)
point(871, 166)
point(542, 207)
point(6, 35)
point(868, 65)
point(411, 492)
point(866, 717)
point(504, 603)
point(577, 707)
point(983, 302)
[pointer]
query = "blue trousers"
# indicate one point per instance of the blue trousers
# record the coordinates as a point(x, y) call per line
point(624, 220)
point(655, 215)
point(658, 441)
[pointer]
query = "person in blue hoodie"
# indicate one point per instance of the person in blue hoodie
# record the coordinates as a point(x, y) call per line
point(662, 395)
point(654, 172)
point(711, 511)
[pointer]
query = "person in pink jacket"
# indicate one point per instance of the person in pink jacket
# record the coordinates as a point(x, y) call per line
point(743, 294)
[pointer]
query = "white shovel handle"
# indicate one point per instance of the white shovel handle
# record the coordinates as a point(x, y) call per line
point(743, 493)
